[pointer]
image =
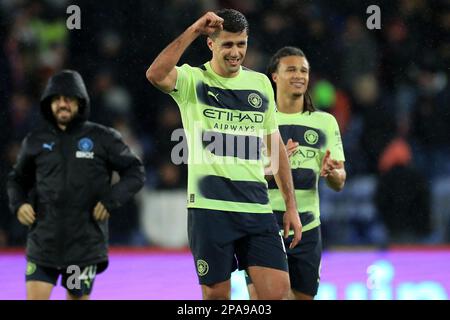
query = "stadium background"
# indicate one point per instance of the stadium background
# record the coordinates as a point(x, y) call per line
point(388, 88)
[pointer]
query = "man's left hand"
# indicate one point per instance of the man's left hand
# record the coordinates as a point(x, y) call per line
point(100, 212)
point(328, 165)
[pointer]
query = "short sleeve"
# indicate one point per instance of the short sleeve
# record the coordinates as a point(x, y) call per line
point(335, 141)
point(184, 84)
point(270, 121)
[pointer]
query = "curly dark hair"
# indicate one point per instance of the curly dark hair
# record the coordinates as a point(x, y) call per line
point(234, 21)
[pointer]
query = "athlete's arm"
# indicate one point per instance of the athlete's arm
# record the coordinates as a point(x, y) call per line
point(162, 73)
point(283, 177)
point(334, 172)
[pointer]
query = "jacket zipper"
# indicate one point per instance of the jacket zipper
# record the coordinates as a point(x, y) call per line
point(62, 218)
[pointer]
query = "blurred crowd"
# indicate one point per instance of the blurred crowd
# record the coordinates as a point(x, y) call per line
point(389, 88)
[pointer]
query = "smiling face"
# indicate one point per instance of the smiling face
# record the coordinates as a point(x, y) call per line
point(64, 109)
point(229, 51)
point(292, 76)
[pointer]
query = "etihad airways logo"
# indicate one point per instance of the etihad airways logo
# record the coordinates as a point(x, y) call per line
point(302, 155)
point(202, 145)
point(226, 115)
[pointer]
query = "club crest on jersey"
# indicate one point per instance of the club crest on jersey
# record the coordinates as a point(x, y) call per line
point(311, 137)
point(85, 146)
point(255, 100)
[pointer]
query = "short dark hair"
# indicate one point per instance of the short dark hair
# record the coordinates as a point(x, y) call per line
point(273, 68)
point(234, 21)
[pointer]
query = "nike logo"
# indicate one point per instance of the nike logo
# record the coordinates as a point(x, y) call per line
point(213, 95)
point(48, 146)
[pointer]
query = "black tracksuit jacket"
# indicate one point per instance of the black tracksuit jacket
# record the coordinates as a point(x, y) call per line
point(63, 174)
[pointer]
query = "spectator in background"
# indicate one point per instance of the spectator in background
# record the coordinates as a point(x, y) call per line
point(443, 32)
point(24, 115)
point(113, 101)
point(378, 121)
point(359, 52)
point(12, 232)
point(431, 117)
point(402, 196)
point(124, 228)
point(169, 120)
point(170, 176)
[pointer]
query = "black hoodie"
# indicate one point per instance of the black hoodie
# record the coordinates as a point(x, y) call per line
point(66, 83)
point(69, 172)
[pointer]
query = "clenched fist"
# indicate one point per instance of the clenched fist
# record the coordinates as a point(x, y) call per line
point(208, 24)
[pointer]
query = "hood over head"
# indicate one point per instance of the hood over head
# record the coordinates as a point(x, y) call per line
point(66, 83)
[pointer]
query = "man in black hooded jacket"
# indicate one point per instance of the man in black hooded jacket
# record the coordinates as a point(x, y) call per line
point(61, 188)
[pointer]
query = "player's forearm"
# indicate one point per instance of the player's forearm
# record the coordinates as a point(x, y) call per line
point(169, 57)
point(283, 178)
point(336, 179)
